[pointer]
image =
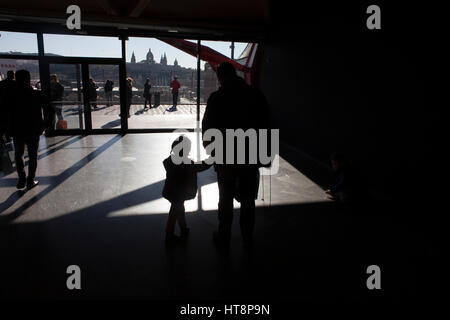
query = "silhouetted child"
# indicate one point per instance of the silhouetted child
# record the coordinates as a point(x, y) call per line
point(343, 190)
point(180, 185)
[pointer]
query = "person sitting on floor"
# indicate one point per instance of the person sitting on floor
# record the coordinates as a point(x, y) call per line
point(344, 189)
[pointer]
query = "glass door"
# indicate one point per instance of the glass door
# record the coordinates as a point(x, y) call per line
point(85, 94)
point(66, 96)
point(104, 96)
point(162, 83)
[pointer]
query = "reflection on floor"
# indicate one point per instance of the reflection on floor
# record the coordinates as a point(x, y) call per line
point(99, 206)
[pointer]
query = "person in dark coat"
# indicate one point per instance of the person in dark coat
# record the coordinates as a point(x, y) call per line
point(56, 96)
point(129, 91)
point(92, 91)
point(147, 95)
point(235, 105)
point(6, 88)
point(26, 124)
point(108, 92)
point(349, 187)
point(180, 185)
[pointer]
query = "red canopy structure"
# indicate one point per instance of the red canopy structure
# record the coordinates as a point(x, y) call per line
point(245, 63)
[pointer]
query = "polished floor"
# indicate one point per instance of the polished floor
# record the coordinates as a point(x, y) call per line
point(99, 206)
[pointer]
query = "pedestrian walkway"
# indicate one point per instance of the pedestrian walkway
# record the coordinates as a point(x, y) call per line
point(107, 117)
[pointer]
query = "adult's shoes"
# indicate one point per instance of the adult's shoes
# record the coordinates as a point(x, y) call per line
point(222, 245)
point(21, 183)
point(184, 233)
point(171, 238)
point(31, 184)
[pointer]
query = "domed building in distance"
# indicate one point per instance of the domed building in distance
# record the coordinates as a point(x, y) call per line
point(149, 58)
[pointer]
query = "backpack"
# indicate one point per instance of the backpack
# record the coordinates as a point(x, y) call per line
point(181, 181)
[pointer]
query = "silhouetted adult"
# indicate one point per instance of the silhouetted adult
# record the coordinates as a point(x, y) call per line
point(147, 95)
point(26, 124)
point(92, 90)
point(108, 92)
point(129, 91)
point(56, 97)
point(235, 105)
point(6, 88)
point(175, 85)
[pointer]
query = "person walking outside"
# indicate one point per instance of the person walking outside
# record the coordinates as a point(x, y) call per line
point(129, 92)
point(92, 91)
point(147, 95)
point(108, 92)
point(175, 85)
point(56, 97)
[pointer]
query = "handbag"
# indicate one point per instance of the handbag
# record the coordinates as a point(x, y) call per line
point(61, 125)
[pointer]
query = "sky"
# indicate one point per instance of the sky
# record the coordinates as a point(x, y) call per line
point(88, 46)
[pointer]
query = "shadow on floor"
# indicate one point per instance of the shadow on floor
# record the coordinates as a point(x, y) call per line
point(301, 251)
point(53, 183)
point(112, 124)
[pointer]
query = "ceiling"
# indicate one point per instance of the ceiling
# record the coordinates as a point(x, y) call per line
point(214, 17)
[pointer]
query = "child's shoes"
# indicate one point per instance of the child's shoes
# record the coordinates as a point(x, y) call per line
point(171, 238)
point(184, 233)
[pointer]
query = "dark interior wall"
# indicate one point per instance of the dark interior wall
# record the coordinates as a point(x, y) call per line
point(334, 85)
